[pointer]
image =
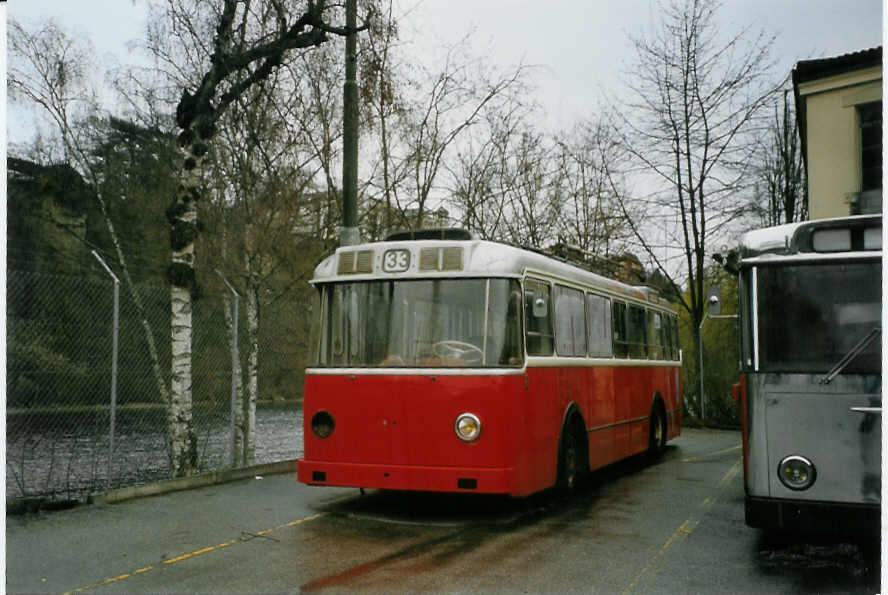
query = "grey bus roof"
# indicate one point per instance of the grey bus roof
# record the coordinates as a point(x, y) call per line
point(484, 258)
point(792, 238)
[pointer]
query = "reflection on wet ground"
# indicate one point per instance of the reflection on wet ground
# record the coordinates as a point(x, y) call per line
point(470, 509)
point(823, 563)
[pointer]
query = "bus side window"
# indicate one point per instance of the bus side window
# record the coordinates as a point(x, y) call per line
point(667, 337)
point(655, 335)
point(570, 322)
point(636, 328)
point(673, 338)
point(598, 320)
point(538, 318)
point(621, 348)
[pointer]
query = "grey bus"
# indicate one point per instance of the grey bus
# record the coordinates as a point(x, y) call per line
point(810, 383)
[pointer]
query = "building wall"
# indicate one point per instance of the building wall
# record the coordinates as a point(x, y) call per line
point(833, 132)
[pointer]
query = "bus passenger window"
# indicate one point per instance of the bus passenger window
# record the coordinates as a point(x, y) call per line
point(673, 332)
point(538, 318)
point(570, 322)
point(670, 351)
point(637, 335)
point(598, 320)
point(655, 334)
point(621, 348)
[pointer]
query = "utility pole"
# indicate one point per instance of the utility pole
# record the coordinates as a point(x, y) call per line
point(349, 233)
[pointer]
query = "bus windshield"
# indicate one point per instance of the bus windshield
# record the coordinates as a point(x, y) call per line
point(421, 323)
point(810, 316)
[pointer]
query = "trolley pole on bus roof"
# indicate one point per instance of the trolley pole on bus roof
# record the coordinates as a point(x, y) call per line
point(349, 233)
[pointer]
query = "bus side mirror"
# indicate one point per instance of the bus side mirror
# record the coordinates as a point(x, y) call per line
point(713, 301)
point(540, 308)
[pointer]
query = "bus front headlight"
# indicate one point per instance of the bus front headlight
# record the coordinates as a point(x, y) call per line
point(796, 472)
point(467, 427)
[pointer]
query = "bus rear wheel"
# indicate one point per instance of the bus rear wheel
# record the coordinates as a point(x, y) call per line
point(569, 462)
point(657, 441)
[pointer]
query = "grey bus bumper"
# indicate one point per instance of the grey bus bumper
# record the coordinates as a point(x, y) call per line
point(813, 517)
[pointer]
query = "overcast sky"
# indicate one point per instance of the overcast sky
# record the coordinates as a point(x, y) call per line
point(580, 46)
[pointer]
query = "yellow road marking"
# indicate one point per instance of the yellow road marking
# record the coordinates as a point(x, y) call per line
point(734, 470)
point(679, 535)
point(192, 554)
point(687, 527)
point(711, 454)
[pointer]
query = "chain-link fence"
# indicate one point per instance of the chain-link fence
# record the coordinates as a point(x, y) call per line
point(78, 424)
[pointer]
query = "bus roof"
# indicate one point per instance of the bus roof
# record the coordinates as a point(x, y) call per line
point(859, 233)
point(424, 259)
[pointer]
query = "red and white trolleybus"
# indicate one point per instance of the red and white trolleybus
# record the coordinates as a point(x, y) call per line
point(455, 364)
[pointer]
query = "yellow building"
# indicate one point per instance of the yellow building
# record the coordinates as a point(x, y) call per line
point(839, 107)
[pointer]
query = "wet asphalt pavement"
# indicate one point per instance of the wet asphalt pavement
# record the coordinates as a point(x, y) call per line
point(674, 525)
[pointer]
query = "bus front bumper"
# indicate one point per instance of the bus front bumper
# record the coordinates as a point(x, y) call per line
point(404, 477)
point(813, 517)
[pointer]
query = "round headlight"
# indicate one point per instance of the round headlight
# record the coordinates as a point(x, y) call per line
point(797, 472)
point(467, 427)
point(322, 424)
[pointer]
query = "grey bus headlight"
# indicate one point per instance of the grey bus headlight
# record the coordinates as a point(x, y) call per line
point(797, 472)
point(467, 427)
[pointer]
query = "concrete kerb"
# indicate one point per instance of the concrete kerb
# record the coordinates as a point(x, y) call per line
point(189, 483)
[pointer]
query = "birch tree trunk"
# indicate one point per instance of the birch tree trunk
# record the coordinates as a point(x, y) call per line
point(244, 52)
point(182, 216)
point(239, 441)
point(252, 369)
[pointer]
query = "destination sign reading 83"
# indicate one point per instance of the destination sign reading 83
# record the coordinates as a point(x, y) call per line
point(396, 261)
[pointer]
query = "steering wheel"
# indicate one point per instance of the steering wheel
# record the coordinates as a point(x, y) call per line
point(472, 354)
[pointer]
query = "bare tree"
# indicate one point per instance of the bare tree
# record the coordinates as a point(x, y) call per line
point(531, 187)
point(315, 105)
point(50, 69)
point(477, 170)
point(592, 218)
point(472, 171)
point(695, 97)
point(230, 45)
point(422, 129)
point(382, 96)
point(780, 188)
point(260, 171)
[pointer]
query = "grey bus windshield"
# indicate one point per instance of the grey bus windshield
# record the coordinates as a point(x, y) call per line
point(810, 316)
point(421, 323)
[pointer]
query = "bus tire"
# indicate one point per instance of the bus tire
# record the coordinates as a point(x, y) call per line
point(570, 461)
point(657, 440)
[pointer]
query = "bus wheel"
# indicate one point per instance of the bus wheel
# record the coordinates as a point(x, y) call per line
point(569, 463)
point(657, 442)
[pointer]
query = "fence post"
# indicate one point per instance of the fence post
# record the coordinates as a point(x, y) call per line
point(114, 333)
point(235, 298)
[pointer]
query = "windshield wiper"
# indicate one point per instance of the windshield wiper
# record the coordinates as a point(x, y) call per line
point(854, 352)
